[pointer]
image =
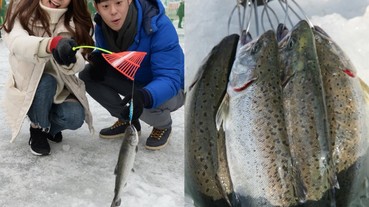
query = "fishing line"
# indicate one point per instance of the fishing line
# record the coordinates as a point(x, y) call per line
point(131, 104)
point(230, 18)
point(240, 22)
point(286, 12)
point(91, 47)
point(256, 19)
point(130, 77)
point(249, 18)
point(265, 11)
point(303, 13)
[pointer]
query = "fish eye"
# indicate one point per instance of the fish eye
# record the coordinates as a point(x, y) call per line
point(255, 49)
point(291, 42)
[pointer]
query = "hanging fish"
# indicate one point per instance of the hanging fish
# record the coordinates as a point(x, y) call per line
point(256, 139)
point(348, 119)
point(126, 158)
point(207, 178)
point(305, 113)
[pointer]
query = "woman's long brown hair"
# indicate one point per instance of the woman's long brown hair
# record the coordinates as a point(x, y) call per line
point(28, 9)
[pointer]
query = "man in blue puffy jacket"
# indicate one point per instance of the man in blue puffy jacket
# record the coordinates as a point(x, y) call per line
point(137, 25)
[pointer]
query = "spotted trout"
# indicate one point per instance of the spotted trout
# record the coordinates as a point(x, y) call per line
point(207, 178)
point(348, 119)
point(126, 158)
point(256, 139)
point(305, 112)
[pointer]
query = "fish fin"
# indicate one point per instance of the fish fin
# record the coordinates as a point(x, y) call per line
point(223, 190)
point(136, 149)
point(118, 202)
point(365, 89)
point(299, 186)
point(133, 170)
point(222, 112)
point(286, 77)
point(333, 178)
point(116, 169)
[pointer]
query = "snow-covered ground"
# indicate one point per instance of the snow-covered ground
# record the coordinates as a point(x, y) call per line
point(79, 172)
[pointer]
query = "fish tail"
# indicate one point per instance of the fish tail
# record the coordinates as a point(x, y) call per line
point(235, 201)
point(223, 191)
point(299, 185)
point(365, 89)
point(332, 197)
point(222, 112)
point(332, 177)
point(116, 202)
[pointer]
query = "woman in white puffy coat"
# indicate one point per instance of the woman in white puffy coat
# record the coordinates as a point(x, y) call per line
point(42, 85)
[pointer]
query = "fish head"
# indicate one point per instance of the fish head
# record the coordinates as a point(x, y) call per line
point(282, 32)
point(293, 50)
point(301, 37)
point(330, 53)
point(251, 61)
point(320, 31)
point(131, 135)
point(245, 38)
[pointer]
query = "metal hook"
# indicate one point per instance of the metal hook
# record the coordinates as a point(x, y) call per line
point(256, 19)
point(290, 8)
point(265, 11)
point(238, 3)
point(303, 12)
point(286, 12)
point(246, 15)
point(230, 18)
point(242, 21)
point(249, 17)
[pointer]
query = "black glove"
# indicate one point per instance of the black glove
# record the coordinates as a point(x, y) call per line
point(141, 99)
point(62, 51)
point(98, 66)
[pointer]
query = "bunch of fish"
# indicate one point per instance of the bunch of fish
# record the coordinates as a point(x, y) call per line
point(281, 123)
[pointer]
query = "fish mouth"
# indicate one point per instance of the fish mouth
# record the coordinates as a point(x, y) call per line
point(349, 73)
point(345, 71)
point(244, 86)
point(285, 80)
point(241, 81)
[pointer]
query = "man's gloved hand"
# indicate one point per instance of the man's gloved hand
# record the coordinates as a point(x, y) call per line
point(62, 51)
point(98, 65)
point(141, 99)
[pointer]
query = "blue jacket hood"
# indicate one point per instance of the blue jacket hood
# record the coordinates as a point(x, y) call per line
point(162, 70)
